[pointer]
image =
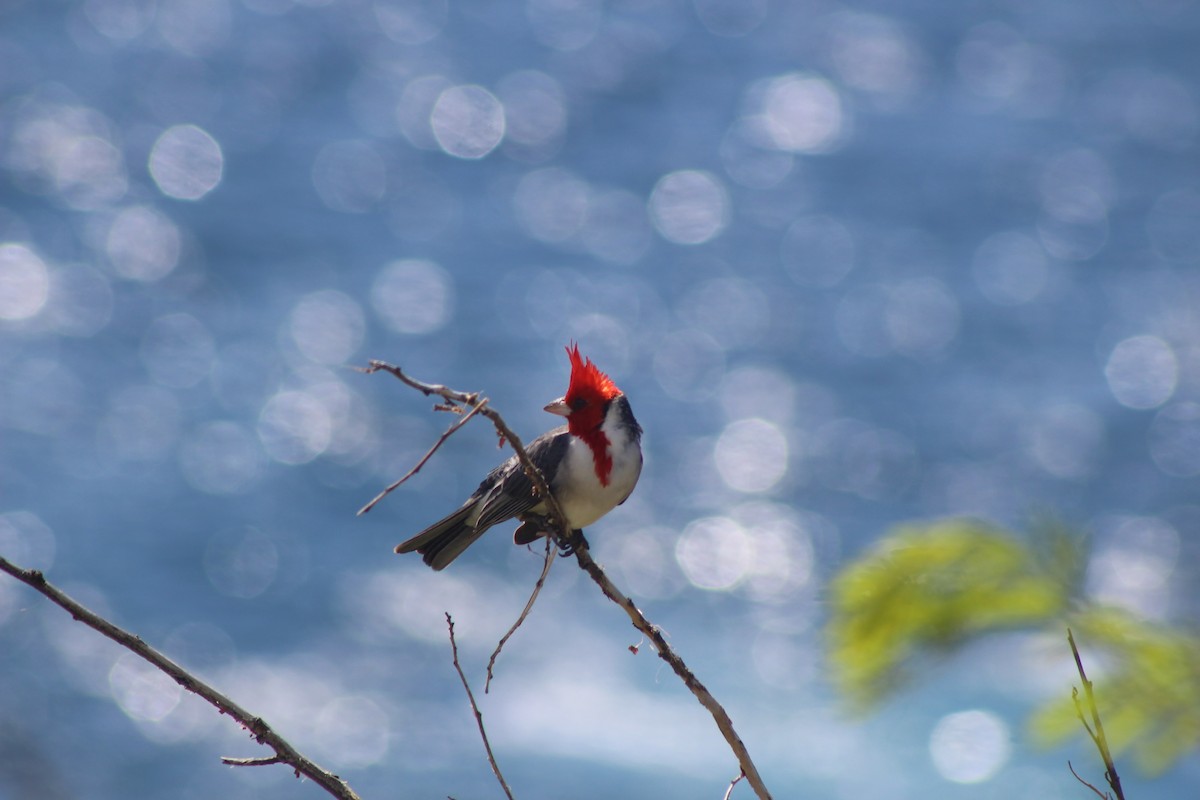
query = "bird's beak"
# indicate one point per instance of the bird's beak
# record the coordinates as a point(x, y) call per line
point(559, 407)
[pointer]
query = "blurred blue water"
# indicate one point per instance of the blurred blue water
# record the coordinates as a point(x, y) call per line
point(852, 263)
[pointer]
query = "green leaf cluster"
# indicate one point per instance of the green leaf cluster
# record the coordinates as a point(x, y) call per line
point(1149, 692)
point(930, 588)
point(936, 586)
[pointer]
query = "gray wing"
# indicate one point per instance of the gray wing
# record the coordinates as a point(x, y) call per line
point(513, 493)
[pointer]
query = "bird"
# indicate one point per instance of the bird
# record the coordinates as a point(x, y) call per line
point(591, 465)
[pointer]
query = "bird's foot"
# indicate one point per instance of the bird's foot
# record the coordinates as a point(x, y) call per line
point(534, 526)
point(572, 543)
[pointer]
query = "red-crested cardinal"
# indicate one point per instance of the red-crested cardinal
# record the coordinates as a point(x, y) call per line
point(592, 464)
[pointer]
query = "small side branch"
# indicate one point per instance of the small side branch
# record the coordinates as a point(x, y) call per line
point(551, 552)
point(475, 709)
point(732, 784)
point(463, 420)
point(1100, 794)
point(1096, 730)
point(259, 729)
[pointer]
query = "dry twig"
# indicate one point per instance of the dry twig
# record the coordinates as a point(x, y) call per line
point(1097, 734)
point(562, 535)
point(551, 552)
point(428, 455)
point(1100, 794)
point(259, 729)
point(475, 709)
point(734, 783)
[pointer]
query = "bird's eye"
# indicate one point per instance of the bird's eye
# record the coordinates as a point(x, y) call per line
point(578, 403)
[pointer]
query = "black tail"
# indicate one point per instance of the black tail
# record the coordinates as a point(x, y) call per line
point(444, 540)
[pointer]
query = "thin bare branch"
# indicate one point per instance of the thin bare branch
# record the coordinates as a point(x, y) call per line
point(258, 728)
point(733, 783)
point(448, 394)
point(1082, 719)
point(1110, 768)
point(551, 552)
point(1100, 794)
point(441, 440)
point(475, 709)
point(563, 537)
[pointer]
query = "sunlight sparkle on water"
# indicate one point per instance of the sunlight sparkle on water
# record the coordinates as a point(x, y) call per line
point(24, 282)
point(186, 162)
point(689, 206)
point(970, 746)
point(143, 244)
point(467, 121)
point(1142, 372)
point(413, 296)
point(751, 455)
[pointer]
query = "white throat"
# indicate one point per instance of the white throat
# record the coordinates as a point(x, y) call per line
point(584, 499)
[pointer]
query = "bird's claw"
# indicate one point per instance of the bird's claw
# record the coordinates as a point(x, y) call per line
point(535, 526)
point(572, 543)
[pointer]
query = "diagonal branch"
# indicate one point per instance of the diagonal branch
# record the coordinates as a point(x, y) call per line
point(651, 631)
point(475, 708)
point(259, 729)
point(562, 534)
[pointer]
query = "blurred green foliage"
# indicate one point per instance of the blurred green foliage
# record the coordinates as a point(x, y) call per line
point(1149, 692)
point(931, 588)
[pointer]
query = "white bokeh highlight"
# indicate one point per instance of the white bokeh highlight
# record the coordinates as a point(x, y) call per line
point(1142, 372)
point(467, 121)
point(970, 746)
point(186, 162)
point(689, 207)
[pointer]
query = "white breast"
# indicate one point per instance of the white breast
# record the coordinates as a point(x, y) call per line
point(577, 488)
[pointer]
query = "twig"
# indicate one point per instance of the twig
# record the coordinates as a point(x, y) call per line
point(561, 532)
point(441, 439)
point(259, 729)
point(734, 783)
point(551, 552)
point(1100, 794)
point(1098, 738)
point(475, 708)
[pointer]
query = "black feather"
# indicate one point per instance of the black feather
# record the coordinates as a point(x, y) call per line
point(505, 493)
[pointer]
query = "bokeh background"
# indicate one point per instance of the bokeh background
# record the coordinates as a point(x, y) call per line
point(854, 264)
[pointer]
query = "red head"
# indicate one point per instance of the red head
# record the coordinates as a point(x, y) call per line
point(587, 395)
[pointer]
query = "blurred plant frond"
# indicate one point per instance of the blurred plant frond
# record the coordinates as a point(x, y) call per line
point(1059, 551)
point(937, 585)
point(933, 587)
point(1147, 683)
